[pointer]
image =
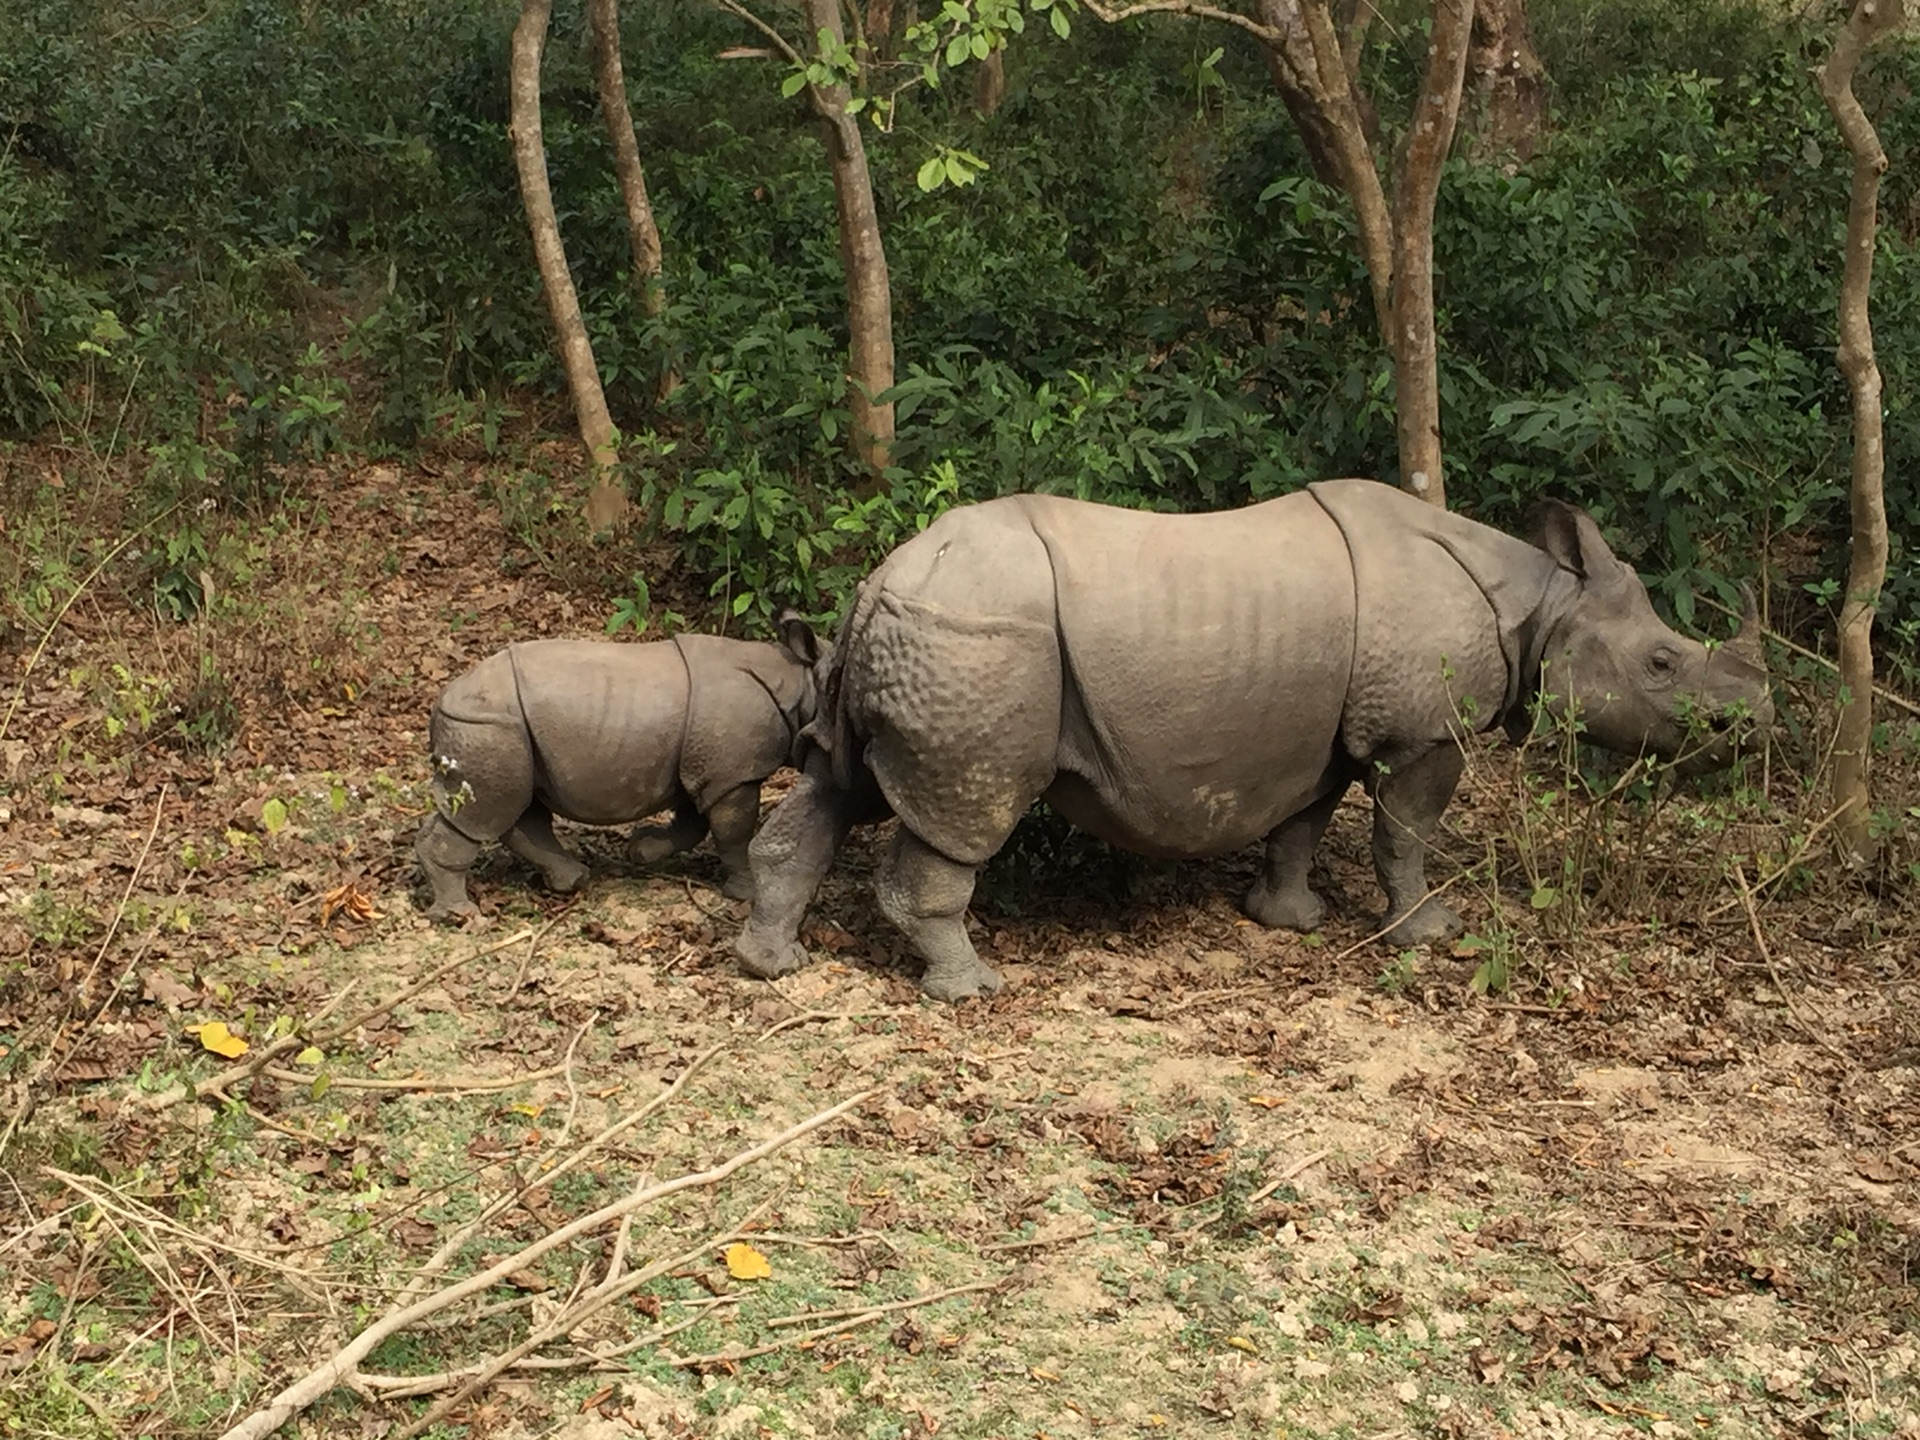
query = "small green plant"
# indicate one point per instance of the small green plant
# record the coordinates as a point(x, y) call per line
point(1400, 972)
point(632, 610)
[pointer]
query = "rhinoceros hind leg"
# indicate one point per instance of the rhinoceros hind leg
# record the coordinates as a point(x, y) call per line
point(733, 818)
point(1281, 897)
point(1407, 803)
point(532, 839)
point(446, 855)
point(650, 844)
point(926, 895)
point(790, 857)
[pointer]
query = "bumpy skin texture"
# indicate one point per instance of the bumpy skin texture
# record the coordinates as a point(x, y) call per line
point(606, 733)
point(1184, 685)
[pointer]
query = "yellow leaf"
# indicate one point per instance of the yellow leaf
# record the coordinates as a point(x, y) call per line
point(1240, 1342)
point(215, 1036)
point(746, 1263)
point(1266, 1102)
point(1040, 1374)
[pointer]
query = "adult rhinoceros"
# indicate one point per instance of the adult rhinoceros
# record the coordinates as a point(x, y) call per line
point(1183, 685)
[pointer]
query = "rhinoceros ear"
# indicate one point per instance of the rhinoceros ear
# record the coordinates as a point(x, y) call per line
point(1568, 534)
point(797, 636)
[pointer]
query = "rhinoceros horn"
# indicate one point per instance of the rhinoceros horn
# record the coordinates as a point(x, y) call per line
point(1746, 641)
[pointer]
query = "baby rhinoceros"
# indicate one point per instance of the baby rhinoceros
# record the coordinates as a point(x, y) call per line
point(606, 733)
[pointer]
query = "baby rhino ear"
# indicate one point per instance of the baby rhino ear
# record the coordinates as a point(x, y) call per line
point(797, 635)
point(1568, 534)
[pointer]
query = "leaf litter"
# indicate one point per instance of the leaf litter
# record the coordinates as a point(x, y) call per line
point(1645, 1201)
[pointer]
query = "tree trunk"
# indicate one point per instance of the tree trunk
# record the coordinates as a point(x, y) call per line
point(1416, 359)
point(1509, 83)
point(644, 234)
point(862, 256)
point(605, 501)
point(1867, 560)
point(990, 83)
point(642, 231)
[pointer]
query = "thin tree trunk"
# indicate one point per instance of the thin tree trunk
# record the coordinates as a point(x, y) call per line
point(1867, 560)
point(604, 501)
point(641, 229)
point(1509, 83)
point(1416, 359)
point(862, 256)
point(990, 83)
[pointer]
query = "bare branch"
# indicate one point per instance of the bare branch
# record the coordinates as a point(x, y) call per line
point(317, 1382)
point(1114, 14)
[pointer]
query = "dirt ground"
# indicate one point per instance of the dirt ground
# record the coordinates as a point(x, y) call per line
point(1654, 1172)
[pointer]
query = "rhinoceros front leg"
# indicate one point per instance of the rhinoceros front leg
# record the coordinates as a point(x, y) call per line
point(1407, 803)
point(926, 895)
point(790, 857)
point(533, 840)
point(650, 844)
point(1281, 897)
point(733, 818)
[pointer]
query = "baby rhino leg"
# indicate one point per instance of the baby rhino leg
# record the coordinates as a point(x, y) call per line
point(650, 844)
point(532, 839)
point(733, 818)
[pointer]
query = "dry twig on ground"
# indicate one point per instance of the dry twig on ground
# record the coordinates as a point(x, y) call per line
point(341, 1366)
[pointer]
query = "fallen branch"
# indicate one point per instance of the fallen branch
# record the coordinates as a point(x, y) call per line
point(317, 1382)
point(50, 1065)
point(406, 1387)
point(1766, 954)
point(571, 1318)
point(306, 1035)
point(421, 1086)
point(858, 1317)
point(1298, 1167)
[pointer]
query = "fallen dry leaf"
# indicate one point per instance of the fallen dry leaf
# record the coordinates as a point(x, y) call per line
point(161, 986)
point(746, 1263)
point(1879, 1169)
point(215, 1036)
point(1266, 1102)
point(348, 900)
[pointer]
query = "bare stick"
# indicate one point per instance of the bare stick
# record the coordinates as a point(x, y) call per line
point(1766, 954)
point(1891, 697)
point(20, 693)
point(858, 1318)
point(403, 1387)
point(54, 1057)
point(1298, 1167)
point(526, 960)
point(571, 1318)
point(267, 1054)
point(420, 1087)
point(298, 1396)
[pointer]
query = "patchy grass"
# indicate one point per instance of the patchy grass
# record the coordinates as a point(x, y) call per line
point(1205, 1177)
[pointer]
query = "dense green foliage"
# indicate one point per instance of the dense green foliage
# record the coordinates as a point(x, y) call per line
point(1144, 298)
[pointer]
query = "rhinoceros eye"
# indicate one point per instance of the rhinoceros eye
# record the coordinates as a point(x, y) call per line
point(1661, 662)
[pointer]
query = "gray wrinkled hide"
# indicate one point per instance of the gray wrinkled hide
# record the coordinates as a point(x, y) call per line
point(1184, 685)
point(607, 733)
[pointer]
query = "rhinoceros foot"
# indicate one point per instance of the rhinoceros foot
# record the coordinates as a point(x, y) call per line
point(961, 981)
point(458, 912)
point(1296, 909)
point(767, 958)
point(1425, 924)
point(738, 885)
